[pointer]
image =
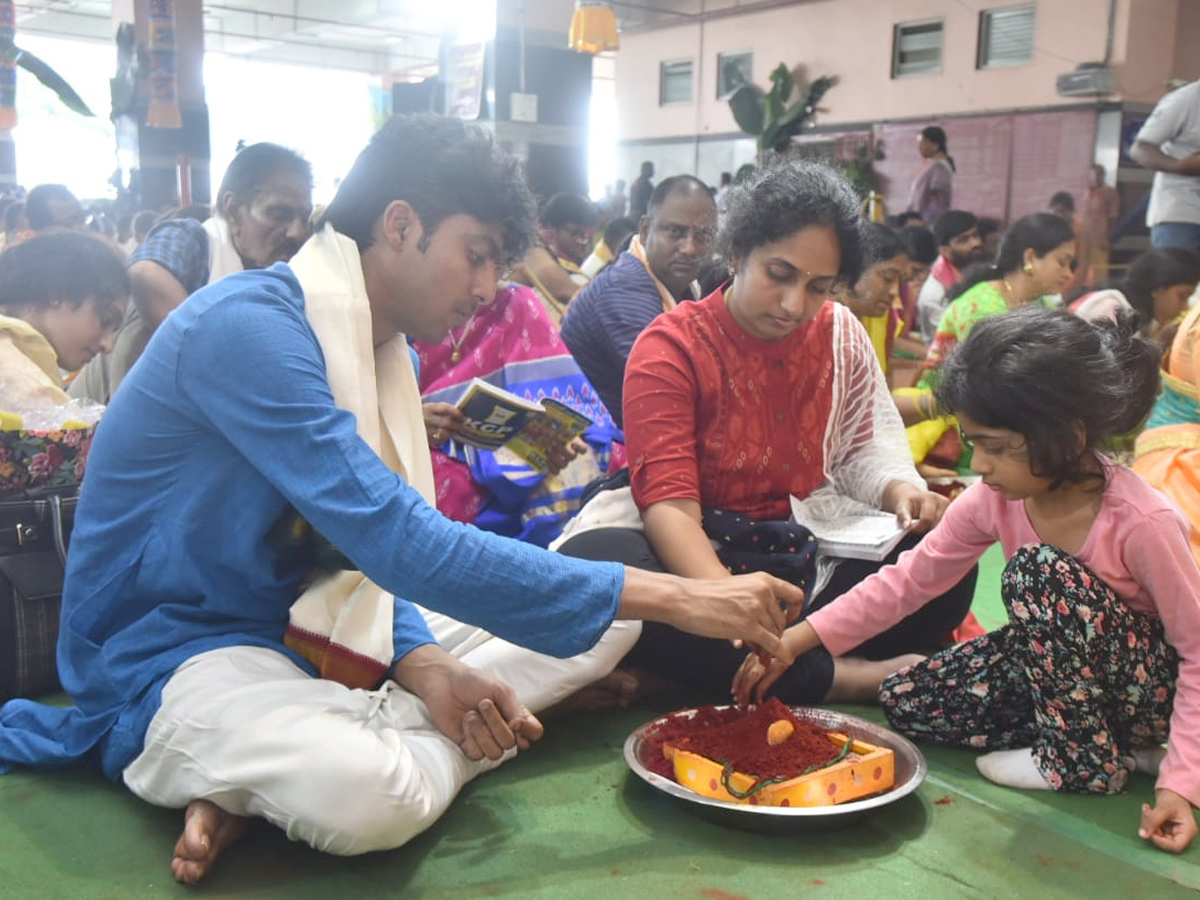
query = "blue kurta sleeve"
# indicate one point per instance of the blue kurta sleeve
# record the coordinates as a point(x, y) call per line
point(254, 370)
point(409, 630)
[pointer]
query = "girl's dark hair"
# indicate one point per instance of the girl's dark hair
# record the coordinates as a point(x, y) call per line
point(1039, 232)
point(442, 167)
point(922, 245)
point(1042, 373)
point(785, 196)
point(880, 244)
point(67, 266)
point(566, 208)
point(1157, 268)
point(936, 135)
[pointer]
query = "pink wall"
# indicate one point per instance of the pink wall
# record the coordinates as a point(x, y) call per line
point(1153, 40)
point(1187, 42)
point(852, 39)
point(1008, 165)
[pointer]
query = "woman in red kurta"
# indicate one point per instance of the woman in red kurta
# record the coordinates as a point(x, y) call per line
point(764, 390)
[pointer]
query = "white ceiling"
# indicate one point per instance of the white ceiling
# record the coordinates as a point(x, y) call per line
point(396, 36)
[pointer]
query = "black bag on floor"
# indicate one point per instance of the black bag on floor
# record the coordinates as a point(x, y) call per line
point(34, 529)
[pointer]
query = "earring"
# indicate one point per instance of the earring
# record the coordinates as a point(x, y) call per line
point(1027, 268)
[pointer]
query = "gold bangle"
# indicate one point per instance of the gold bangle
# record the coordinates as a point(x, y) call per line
point(923, 407)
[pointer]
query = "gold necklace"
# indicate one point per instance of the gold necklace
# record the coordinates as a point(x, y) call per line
point(456, 345)
point(1012, 295)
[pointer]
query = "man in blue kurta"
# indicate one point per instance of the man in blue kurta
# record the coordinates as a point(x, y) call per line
point(658, 270)
point(178, 589)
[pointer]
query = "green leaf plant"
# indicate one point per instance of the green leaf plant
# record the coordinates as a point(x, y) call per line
point(43, 73)
point(772, 116)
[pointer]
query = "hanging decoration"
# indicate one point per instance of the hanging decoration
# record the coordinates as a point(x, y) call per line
point(593, 27)
point(8, 66)
point(163, 81)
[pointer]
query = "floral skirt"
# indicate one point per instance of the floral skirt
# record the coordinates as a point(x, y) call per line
point(1076, 675)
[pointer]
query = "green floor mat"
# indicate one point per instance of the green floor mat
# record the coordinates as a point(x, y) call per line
point(568, 820)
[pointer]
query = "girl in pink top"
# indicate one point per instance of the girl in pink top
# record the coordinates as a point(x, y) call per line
point(1101, 656)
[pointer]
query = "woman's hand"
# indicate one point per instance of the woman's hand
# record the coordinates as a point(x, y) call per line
point(442, 421)
point(1170, 823)
point(916, 510)
point(926, 471)
point(560, 455)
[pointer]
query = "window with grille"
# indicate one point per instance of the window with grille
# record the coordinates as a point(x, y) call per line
point(675, 82)
point(1006, 36)
point(917, 48)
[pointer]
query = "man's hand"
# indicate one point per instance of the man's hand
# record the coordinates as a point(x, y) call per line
point(1170, 823)
point(751, 610)
point(1190, 165)
point(442, 421)
point(478, 712)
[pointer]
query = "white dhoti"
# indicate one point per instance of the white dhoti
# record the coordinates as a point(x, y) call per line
point(346, 771)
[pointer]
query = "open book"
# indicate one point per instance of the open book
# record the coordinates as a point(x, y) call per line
point(498, 418)
point(847, 529)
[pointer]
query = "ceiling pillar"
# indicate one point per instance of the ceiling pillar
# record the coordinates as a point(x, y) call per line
point(163, 167)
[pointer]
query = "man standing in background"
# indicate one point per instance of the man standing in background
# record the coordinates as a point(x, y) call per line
point(1169, 143)
point(640, 191)
point(1101, 207)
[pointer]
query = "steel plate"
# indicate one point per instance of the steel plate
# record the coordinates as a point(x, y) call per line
point(911, 769)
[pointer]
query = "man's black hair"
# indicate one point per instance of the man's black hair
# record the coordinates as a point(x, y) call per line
point(441, 167)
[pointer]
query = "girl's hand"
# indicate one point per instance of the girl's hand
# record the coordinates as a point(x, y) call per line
point(917, 510)
point(1170, 823)
point(754, 678)
point(442, 421)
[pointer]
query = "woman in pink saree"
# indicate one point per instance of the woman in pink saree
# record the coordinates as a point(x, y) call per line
point(511, 343)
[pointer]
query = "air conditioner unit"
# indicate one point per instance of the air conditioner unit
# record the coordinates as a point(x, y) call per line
point(1092, 81)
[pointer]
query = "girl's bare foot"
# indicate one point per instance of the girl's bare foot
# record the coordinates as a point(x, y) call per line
point(857, 680)
point(207, 830)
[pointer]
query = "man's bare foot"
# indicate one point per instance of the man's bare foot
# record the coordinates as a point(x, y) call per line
point(857, 680)
point(617, 689)
point(207, 830)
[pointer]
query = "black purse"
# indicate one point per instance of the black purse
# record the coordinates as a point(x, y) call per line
point(35, 527)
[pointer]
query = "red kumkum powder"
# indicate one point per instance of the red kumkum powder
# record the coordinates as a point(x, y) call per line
point(739, 737)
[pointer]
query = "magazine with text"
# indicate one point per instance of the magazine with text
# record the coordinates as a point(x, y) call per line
point(498, 418)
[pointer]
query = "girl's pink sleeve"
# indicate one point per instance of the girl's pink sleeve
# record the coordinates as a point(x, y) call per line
point(1159, 557)
point(928, 570)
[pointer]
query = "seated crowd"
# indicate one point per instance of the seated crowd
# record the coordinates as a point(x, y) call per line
point(295, 578)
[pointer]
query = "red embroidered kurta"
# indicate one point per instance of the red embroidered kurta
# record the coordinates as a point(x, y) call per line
point(728, 420)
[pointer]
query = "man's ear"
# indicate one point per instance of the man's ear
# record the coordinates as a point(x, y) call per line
point(231, 208)
point(644, 230)
point(397, 220)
